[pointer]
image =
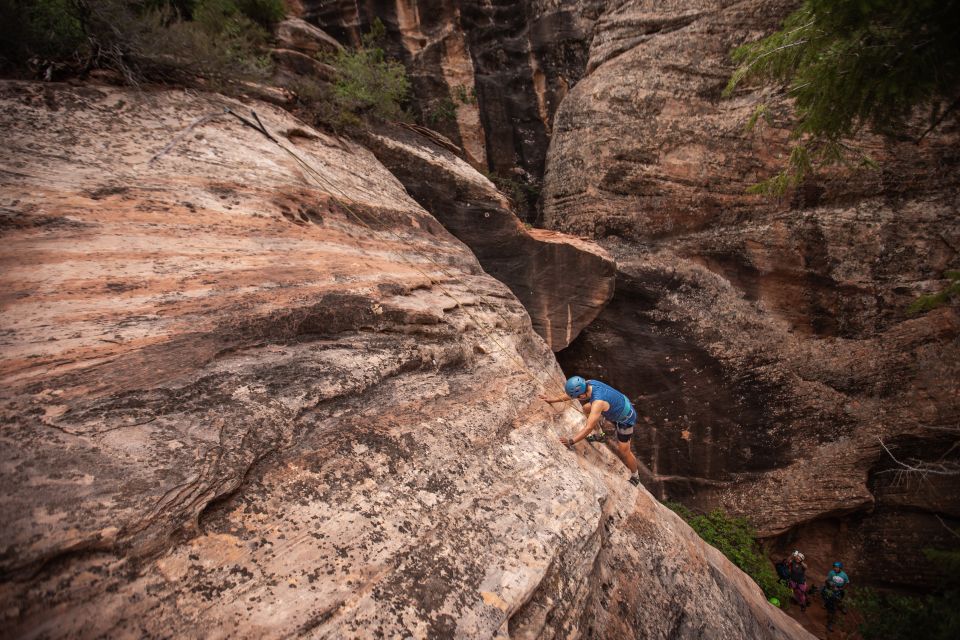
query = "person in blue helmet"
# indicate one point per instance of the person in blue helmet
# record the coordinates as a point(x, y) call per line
point(832, 592)
point(837, 578)
point(600, 400)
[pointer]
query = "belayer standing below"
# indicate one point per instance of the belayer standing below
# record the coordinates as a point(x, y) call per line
point(837, 578)
point(798, 578)
point(832, 592)
point(600, 400)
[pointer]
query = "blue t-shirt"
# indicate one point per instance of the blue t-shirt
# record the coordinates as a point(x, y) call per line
point(620, 410)
point(836, 583)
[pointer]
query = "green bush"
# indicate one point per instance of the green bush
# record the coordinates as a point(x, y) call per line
point(735, 538)
point(931, 301)
point(266, 13)
point(45, 28)
point(235, 16)
point(440, 111)
point(901, 617)
point(369, 86)
point(222, 40)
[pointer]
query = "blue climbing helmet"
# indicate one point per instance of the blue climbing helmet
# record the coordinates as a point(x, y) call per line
point(838, 565)
point(575, 386)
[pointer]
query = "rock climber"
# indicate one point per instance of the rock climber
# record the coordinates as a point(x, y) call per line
point(600, 400)
point(832, 592)
point(797, 569)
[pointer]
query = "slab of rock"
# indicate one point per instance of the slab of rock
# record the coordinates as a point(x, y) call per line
point(563, 281)
point(301, 64)
point(299, 35)
point(258, 392)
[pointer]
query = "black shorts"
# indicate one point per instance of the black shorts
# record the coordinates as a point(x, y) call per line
point(624, 431)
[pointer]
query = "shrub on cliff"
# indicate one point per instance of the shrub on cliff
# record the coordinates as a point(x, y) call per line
point(736, 539)
point(369, 85)
point(945, 296)
point(48, 28)
point(149, 39)
point(851, 64)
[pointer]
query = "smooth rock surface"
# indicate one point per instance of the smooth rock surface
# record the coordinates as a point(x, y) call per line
point(238, 401)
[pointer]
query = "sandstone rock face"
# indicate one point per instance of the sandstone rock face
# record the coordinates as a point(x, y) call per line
point(766, 342)
point(562, 281)
point(238, 401)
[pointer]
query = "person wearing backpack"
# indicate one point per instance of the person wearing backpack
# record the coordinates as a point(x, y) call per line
point(797, 578)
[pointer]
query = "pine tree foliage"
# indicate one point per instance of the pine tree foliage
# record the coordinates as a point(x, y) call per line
point(850, 64)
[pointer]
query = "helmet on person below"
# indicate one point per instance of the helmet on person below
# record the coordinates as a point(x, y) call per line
point(799, 557)
point(575, 386)
point(838, 565)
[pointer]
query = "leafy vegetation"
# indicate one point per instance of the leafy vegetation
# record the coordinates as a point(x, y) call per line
point(367, 87)
point(933, 300)
point(47, 28)
point(370, 85)
point(439, 111)
point(523, 194)
point(850, 64)
point(221, 40)
point(735, 538)
point(904, 617)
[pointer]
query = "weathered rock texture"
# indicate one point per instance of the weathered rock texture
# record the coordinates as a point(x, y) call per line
point(563, 281)
point(238, 401)
point(766, 342)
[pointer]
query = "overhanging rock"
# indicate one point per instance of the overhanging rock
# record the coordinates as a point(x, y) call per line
point(563, 281)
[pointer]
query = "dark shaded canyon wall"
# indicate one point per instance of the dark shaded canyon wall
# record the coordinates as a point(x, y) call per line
point(489, 75)
point(766, 341)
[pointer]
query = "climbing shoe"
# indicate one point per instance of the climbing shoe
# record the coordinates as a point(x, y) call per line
point(635, 480)
point(597, 437)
